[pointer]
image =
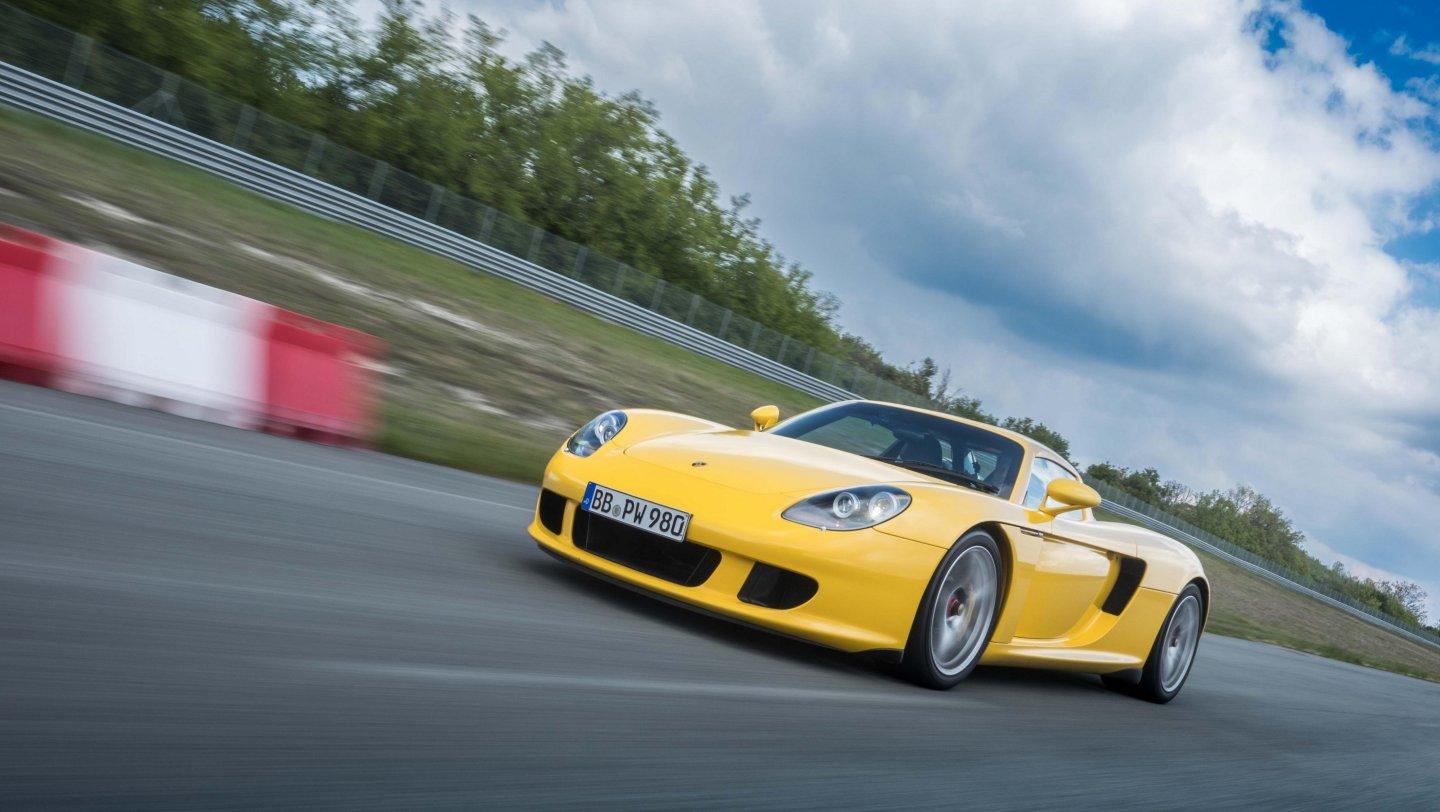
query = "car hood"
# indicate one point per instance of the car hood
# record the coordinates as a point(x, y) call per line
point(764, 463)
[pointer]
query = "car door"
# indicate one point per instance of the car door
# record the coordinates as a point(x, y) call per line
point(1075, 568)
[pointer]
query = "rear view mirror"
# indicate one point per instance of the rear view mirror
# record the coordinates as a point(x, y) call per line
point(1068, 495)
point(765, 417)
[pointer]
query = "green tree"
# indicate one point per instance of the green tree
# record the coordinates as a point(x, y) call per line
point(1144, 484)
point(1035, 430)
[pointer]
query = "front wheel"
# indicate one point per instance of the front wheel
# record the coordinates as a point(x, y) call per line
point(957, 615)
point(1172, 654)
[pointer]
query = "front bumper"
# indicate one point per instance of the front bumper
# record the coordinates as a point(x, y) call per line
point(868, 583)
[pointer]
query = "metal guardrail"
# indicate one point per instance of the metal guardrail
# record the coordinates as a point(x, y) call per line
point(57, 100)
point(37, 94)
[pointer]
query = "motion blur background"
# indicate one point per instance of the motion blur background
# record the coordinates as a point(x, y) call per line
point(1180, 245)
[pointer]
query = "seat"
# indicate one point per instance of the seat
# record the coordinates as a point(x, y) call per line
point(1000, 475)
point(925, 450)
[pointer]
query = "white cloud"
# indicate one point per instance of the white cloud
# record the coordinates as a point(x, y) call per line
point(1131, 220)
point(1428, 53)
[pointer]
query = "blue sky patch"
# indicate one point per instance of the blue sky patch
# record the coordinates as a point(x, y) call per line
point(1402, 39)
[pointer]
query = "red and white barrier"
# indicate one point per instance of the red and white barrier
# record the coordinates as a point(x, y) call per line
point(315, 379)
point(136, 335)
point(86, 322)
point(29, 264)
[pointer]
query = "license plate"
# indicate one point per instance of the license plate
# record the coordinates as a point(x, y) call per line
point(636, 512)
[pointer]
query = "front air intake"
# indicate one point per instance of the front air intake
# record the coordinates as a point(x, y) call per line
point(551, 511)
point(775, 588)
point(680, 562)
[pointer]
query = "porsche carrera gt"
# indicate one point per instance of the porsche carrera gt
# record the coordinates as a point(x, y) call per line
point(932, 542)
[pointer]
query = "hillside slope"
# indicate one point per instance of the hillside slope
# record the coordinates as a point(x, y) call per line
point(480, 373)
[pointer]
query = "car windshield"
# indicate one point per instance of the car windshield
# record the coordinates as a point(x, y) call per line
point(926, 443)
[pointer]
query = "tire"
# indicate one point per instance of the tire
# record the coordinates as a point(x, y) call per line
point(1171, 656)
point(966, 588)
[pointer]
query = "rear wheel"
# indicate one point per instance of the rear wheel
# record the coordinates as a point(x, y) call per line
point(1172, 654)
point(957, 615)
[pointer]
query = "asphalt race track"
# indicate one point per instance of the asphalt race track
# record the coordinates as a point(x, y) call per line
point(193, 616)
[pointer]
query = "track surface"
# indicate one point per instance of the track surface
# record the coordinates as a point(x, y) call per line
point(193, 616)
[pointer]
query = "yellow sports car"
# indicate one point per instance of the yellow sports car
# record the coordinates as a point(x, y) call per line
point(933, 542)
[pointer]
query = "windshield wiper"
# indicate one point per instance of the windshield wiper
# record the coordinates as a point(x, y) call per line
point(939, 471)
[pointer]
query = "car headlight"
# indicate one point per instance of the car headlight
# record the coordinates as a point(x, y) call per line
point(596, 433)
point(850, 508)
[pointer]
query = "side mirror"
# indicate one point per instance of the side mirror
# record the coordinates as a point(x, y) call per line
point(765, 417)
point(1068, 495)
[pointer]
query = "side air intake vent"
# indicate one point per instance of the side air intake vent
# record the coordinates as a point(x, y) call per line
point(1131, 571)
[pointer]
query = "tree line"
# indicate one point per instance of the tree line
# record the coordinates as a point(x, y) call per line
point(433, 95)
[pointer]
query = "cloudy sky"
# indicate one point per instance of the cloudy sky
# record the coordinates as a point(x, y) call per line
point(1198, 236)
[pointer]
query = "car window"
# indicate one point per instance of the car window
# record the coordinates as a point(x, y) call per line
point(880, 430)
point(853, 434)
point(979, 463)
point(1042, 472)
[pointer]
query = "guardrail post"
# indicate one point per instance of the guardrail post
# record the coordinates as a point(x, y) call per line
point(243, 127)
point(317, 149)
point(377, 180)
point(486, 226)
point(437, 196)
point(163, 101)
point(79, 60)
